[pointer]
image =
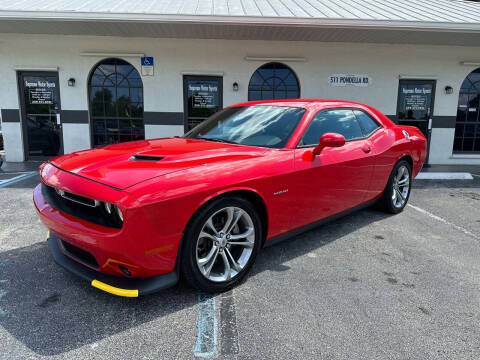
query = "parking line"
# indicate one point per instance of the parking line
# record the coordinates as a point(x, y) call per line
point(16, 179)
point(206, 343)
point(14, 172)
point(446, 222)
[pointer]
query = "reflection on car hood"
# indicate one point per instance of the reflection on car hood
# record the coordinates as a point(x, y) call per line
point(126, 164)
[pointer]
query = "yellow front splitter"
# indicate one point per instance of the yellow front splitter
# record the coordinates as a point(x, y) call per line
point(114, 290)
point(127, 287)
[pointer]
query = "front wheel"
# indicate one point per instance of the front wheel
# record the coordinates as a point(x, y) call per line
point(397, 191)
point(221, 243)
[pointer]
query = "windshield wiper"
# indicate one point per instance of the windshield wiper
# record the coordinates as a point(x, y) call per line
point(217, 140)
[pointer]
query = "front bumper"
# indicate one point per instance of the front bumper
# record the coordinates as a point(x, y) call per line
point(121, 286)
point(141, 245)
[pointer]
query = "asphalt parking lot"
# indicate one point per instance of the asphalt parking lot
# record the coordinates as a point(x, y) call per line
point(368, 286)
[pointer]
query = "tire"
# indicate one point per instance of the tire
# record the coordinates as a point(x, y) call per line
point(218, 246)
point(397, 192)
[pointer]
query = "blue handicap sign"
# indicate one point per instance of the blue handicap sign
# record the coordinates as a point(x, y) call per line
point(147, 61)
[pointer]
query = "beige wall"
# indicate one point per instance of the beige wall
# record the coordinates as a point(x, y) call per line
point(163, 92)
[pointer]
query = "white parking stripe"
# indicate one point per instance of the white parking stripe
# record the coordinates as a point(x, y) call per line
point(206, 343)
point(10, 179)
point(446, 222)
point(14, 172)
point(7, 182)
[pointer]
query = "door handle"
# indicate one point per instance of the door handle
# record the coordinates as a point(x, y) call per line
point(366, 149)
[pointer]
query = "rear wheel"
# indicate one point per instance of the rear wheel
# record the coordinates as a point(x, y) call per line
point(220, 244)
point(397, 191)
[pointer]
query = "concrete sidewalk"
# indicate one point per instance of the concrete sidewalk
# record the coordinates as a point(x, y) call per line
point(8, 167)
point(472, 169)
point(449, 172)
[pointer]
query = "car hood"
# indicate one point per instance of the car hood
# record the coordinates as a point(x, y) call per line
point(126, 164)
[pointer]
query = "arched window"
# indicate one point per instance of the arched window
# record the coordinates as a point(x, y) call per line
point(273, 81)
point(467, 129)
point(116, 103)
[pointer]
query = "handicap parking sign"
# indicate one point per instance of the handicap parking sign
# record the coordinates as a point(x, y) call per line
point(147, 61)
point(147, 65)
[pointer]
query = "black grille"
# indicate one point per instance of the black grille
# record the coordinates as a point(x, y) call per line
point(96, 215)
point(77, 198)
point(79, 254)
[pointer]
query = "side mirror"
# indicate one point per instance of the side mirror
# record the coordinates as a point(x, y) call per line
point(329, 140)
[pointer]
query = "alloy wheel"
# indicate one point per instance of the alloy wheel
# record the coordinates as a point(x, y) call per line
point(400, 186)
point(225, 244)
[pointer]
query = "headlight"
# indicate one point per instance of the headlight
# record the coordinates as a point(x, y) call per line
point(108, 207)
point(112, 212)
point(119, 213)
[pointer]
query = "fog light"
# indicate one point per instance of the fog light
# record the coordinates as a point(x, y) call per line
point(125, 270)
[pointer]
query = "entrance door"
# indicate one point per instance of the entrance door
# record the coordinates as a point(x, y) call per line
point(415, 105)
point(202, 97)
point(40, 102)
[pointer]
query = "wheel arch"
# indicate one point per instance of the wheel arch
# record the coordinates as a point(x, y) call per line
point(251, 195)
point(247, 193)
point(406, 157)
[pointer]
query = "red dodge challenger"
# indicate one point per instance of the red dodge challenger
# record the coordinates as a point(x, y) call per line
point(132, 218)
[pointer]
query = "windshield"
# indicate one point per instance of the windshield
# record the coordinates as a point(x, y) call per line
point(267, 126)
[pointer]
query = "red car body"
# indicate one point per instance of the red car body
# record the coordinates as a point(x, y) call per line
point(158, 198)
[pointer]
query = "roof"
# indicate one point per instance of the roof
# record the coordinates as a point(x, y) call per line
point(164, 17)
point(439, 11)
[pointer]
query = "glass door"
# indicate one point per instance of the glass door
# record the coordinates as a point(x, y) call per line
point(415, 105)
point(202, 97)
point(40, 102)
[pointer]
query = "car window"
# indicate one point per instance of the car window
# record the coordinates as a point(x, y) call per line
point(260, 125)
point(367, 124)
point(341, 121)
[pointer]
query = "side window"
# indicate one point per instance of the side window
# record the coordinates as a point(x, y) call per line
point(337, 121)
point(367, 124)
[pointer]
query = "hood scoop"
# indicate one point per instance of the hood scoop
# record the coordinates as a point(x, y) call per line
point(140, 157)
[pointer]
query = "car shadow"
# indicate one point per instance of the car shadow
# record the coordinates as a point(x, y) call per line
point(272, 258)
point(52, 311)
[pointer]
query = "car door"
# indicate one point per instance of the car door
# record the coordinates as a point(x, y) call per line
point(337, 179)
point(380, 142)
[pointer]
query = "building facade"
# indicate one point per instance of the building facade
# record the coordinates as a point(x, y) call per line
point(68, 86)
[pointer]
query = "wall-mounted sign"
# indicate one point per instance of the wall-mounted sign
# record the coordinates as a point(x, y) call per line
point(416, 98)
point(349, 80)
point(204, 95)
point(40, 92)
point(147, 66)
point(202, 98)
